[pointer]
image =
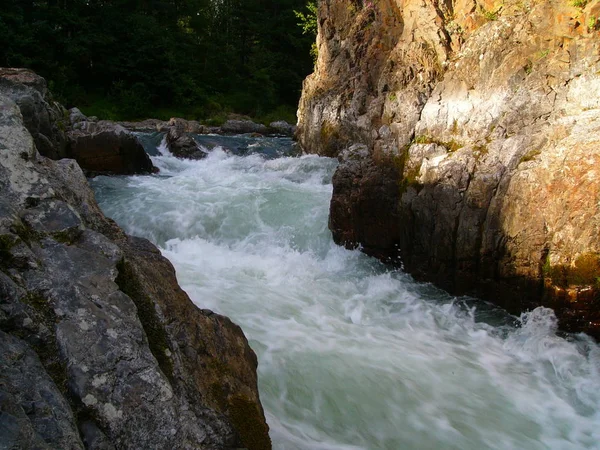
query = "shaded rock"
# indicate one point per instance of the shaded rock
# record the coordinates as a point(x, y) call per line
point(77, 117)
point(124, 359)
point(180, 143)
point(481, 138)
point(45, 119)
point(148, 125)
point(281, 127)
point(105, 147)
point(99, 147)
point(243, 127)
point(34, 412)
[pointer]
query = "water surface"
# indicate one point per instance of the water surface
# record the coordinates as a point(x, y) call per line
point(352, 355)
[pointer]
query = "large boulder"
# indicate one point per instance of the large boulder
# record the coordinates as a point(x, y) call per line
point(44, 118)
point(105, 147)
point(99, 347)
point(479, 126)
point(98, 147)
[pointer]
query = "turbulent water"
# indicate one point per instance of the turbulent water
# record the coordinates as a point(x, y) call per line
point(352, 355)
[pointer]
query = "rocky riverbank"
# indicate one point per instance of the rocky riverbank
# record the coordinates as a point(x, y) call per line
point(99, 346)
point(468, 138)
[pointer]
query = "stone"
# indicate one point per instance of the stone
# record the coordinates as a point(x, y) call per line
point(481, 141)
point(243, 127)
point(45, 119)
point(99, 346)
point(180, 143)
point(105, 147)
point(281, 127)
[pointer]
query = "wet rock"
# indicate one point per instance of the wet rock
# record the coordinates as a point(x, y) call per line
point(107, 148)
point(180, 143)
point(98, 146)
point(147, 126)
point(45, 119)
point(124, 359)
point(481, 138)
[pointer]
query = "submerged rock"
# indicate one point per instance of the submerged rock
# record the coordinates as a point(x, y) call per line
point(99, 347)
point(481, 128)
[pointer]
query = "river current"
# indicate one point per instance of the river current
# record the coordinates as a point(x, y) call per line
point(352, 354)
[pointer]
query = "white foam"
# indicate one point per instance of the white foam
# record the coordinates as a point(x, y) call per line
point(352, 356)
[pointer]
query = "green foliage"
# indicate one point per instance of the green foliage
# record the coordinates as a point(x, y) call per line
point(129, 59)
point(309, 25)
point(584, 272)
point(451, 145)
point(579, 3)
point(308, 21)
point(543, 53)
point(489, 15)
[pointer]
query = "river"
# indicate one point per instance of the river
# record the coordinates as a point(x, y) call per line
point(352, 354)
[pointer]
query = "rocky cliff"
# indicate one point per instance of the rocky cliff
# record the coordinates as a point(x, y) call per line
point(99, 347)
point(468, 135)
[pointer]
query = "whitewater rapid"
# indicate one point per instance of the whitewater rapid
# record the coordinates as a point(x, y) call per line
point(352, 355)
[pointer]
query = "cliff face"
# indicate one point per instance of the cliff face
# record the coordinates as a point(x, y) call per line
point(99, 347)
point(468, 138)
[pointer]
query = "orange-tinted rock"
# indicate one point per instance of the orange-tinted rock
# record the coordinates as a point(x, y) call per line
point(481, 125)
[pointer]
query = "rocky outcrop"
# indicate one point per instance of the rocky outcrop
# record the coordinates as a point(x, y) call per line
point(99, 147)
point(45, 119)
point(477, 129)
point(180, 143)
point(99, 347)
point(104, 147)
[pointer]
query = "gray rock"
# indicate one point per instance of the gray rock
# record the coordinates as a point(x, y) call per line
point(34, 413)
point(43, 118)
point(281, 127)
point(124, 359)
point(243, 127)
point(107, 148)
point(180, 143)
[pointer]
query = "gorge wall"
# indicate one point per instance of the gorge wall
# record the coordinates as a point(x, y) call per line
point(99, 346)
point(468, 133)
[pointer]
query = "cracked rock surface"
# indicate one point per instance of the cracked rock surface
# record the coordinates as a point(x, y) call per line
point(481, 122)
point(99, 347)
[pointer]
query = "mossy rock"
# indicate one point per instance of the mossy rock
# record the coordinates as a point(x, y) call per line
point(154, 329)
point(247, 420)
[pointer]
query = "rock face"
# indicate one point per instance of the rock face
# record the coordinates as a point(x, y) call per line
point(468, 134)
point(99, 347)
point(98, 147)
point(45, 119)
